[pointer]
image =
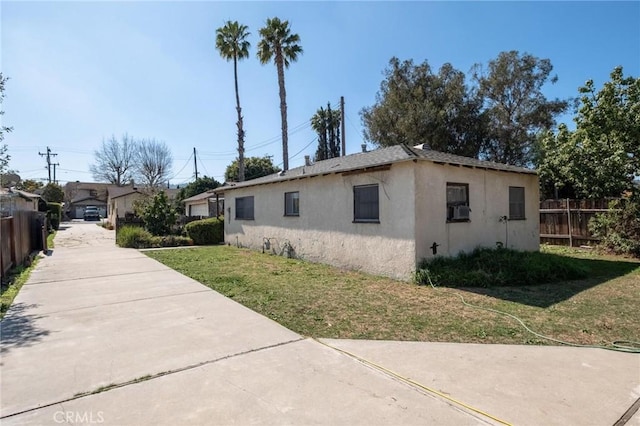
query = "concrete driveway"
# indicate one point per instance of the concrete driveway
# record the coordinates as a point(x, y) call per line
point(104, 335)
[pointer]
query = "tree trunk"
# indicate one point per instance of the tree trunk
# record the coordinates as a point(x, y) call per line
point(239, 123)
point(283, 110)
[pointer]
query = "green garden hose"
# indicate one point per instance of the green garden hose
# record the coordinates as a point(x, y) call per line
point(618, 345)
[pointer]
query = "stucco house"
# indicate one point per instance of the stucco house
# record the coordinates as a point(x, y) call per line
point(12, 200)
point(206, 204)
point(79, 195)
point(121, 199)
point(384, 211)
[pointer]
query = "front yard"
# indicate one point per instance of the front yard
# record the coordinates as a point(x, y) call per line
point(320, 301)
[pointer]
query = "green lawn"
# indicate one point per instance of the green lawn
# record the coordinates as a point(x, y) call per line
point(321, 301)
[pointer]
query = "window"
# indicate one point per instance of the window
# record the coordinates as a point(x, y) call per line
point(365, 204)
point(516, 202)
point(292, 203)
point(244, 208)
point(458, 202)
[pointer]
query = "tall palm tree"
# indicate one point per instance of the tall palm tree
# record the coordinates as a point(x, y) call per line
point(231, 42)
point(278, 43)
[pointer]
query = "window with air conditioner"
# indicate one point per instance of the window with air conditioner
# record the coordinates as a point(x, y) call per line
point(458, 202)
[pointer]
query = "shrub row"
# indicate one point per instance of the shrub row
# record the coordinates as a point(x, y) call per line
point(54, 214)
point(485, 267)
point(136, 237)
point(206, 231)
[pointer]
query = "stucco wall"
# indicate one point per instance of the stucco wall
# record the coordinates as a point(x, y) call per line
point(199, 208)
point(488, 200)
point(324, 231)
point(122, 205)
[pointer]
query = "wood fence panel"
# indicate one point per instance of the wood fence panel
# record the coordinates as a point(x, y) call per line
point(555, 216)
point(21, 234)
point(6, 244)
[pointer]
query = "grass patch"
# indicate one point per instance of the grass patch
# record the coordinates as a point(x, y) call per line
point(50, 237)
point(12, 284)
point(320, 301)
point(486, 267)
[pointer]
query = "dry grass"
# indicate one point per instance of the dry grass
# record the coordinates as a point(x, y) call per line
point(321, 301)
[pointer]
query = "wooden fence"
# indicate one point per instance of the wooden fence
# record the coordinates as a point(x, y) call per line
point(566, 222)
point(20, 234)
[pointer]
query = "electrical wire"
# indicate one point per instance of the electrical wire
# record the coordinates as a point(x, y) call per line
point(270, 141)
point(183, 167)
point(618, 345)
point(297, 153)
point(203, 166)
point(414, 383)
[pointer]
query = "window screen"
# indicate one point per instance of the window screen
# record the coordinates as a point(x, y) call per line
point(516, 202)
point(244, 208)
point(292, 203)
point(365, 203)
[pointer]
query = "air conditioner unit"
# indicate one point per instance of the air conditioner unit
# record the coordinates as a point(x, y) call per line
point(461, 212)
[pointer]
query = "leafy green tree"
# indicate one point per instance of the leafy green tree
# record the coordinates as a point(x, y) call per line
point(115, 161)
point(326, 123)
point(53, 193)
point(4, 156)
point(231, 42)
point(278, 43)
point(515, 107)
point(196, 187)
point(601, 157)
point(619, 228)
point(416, 106)
point(29, 185)
point(255, 167)
point(159, 215)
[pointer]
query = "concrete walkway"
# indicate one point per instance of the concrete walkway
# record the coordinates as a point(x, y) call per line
point(103, 335)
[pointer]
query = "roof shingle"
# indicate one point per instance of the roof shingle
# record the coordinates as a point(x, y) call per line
point(372, 159)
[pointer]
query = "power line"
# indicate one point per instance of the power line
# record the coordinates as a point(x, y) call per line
point(185, 165)
point(299, 152)
point(48, 154)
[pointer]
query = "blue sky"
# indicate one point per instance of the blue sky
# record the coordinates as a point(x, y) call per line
point(83, 71)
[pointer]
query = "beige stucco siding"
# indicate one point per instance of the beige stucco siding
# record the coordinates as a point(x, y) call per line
point(324, 231)
point(488, 201)
point(199, 208)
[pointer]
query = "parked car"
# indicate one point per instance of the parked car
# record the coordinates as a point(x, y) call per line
point(91, 213)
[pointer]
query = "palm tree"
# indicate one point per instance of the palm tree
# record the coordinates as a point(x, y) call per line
point(231, 42)
point(278, 43)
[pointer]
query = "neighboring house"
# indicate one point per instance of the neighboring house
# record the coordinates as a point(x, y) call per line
point(121, 199)
point(205, 204)
point(79, 195)
point(13, 199)
point(384, 211)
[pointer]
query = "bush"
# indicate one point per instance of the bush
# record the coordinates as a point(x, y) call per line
point(619, 228)
point(206, 231)
point(172, 241)
point(54, 214)
point(134, 237)
point(485, 267)
point(159, 215)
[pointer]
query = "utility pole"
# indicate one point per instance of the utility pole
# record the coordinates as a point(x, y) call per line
point(195, 162)
point(48, 154)
point(344, 141)
point(54, 172)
